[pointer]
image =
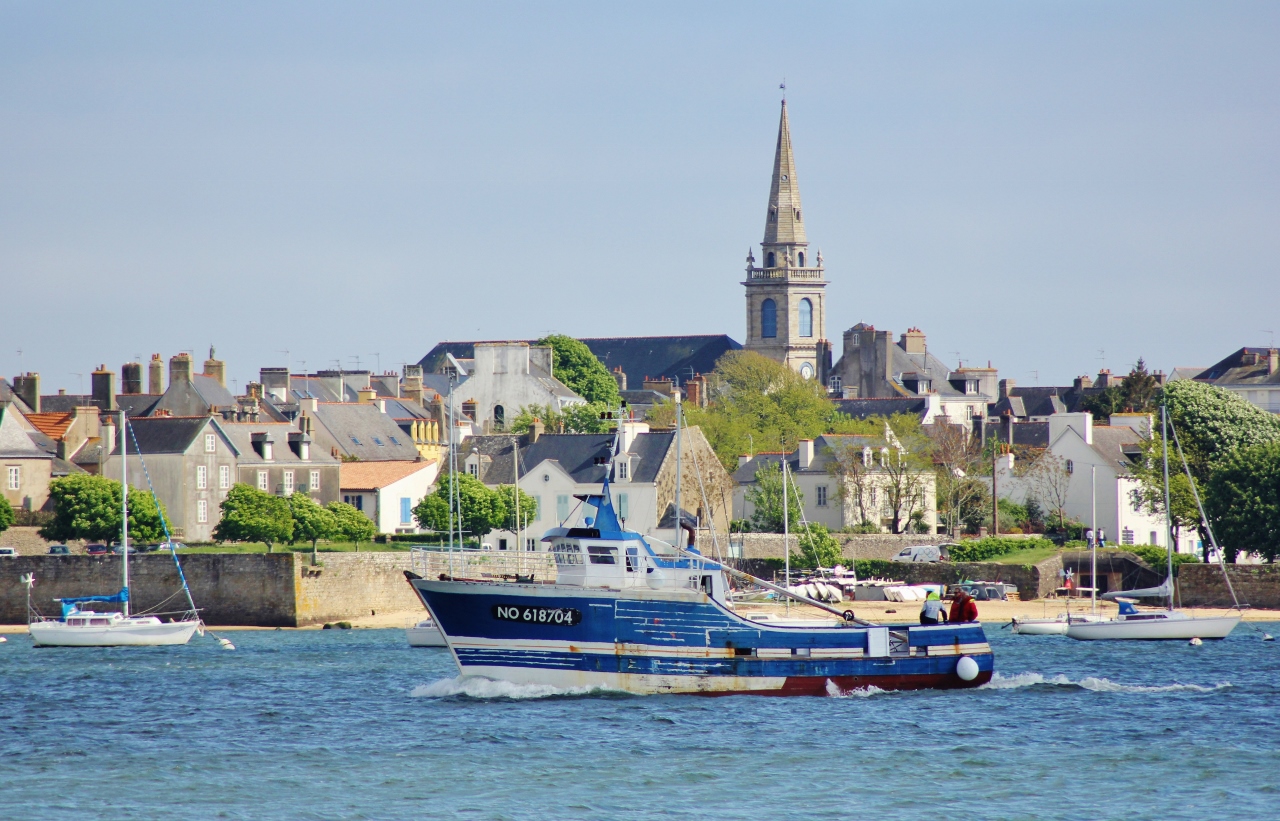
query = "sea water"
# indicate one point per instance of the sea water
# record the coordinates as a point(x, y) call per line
point(357, 725)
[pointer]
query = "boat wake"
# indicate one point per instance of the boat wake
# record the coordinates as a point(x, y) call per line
point(860, 692)
point(1092, 684)
point(485, 688)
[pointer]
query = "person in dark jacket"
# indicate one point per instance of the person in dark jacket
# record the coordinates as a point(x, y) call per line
point(963, 608)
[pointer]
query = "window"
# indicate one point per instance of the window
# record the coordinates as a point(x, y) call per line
point(262, 480)
point(562, 508)
point(210, 443)
point(378, 442)
point(202, 511)
point(835, 384)
point(602, 554)
point(873, 497)
point(355, 440)
point(224, 477)
point(800, 256)
point(202, 477)
point(622, 468)
point(499, 416)
point(566, 553)
point(15, 478)
point(771, 261)
point(1155, 537)
point(473, 469)
point(314, 487)
point(1126, 536)
point(768, 319)
point(406, 510)
point(356, 500)
point(623, 507)
point(288, 482)
point(531, 545)
point(394, 440)
point(1071, 466)
point(821, 492)
point(537, 509)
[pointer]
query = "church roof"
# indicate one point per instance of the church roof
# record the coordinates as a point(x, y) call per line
point(783, 223)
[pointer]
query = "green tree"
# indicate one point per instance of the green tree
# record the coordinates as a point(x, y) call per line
point(1135, 393)
point(1243, 501)
point(352, 525)
point(480, 510)
point(252, 515)
point(528, 508)
point(6, 516)
point(765, 496)
point(818, 548)
point(88, 507)
point(578, 368)
point(573, 419)
point(311, 522)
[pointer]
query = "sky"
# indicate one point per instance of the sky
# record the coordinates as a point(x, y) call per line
point(1055, 187)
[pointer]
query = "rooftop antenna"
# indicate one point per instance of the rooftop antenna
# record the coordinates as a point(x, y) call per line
point(288, 363)
point(302, 365)
point(378, 359)
point(73, 373)
point(956, 354)
point(357, 359)
point(1270, 334)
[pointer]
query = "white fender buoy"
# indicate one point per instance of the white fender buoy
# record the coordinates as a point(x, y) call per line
point(226, 644)
point(1195, 642)
point(967, 668)
point(1268, 637)
point(3, 639)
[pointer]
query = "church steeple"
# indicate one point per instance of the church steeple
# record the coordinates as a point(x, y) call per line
point(784, 222)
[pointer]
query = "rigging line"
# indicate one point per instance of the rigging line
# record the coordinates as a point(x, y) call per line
point(159, 511)
point(1200, 507)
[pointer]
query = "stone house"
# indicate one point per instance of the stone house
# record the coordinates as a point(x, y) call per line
point(387, 492)
point(554, 468)
point(280, 459)
point(25, 469)
point(1253, 374)
point(869, 498)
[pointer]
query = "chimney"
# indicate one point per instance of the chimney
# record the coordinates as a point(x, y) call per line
point(215, 368)
point(620, 378)
point(913, 341)
point(304, 423)
point(103, 384)
point(263, 445)
point(411, 385)
point(367, 395)
point(155, 375)
point(27, 387)
point(1104, 378)
point(108, 434)
point(1006, 385)
point(179, 368)
point(1082, 383)
point(1273, 361)
point(535, 430)
point(131, 378)
point(743, 458)
point(275, 383)
point(805, 453)
point(308, 404)
point(253, 390)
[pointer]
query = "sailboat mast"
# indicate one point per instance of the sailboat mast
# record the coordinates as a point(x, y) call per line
point(515, 484)
point(1168, 521)
point(786, 529)
point(124, 505)
point(679, 519)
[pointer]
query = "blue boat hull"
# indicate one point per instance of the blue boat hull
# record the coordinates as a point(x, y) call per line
point(646, 641)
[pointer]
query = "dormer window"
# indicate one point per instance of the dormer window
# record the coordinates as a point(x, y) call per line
point(622, 469)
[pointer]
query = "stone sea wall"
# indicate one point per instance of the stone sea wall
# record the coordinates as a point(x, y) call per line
point(855, 545)
point(1202, 585)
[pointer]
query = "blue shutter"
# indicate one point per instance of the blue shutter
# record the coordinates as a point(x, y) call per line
point(406, 510)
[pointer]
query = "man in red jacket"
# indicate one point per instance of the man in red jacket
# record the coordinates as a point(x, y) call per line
point(963, 608)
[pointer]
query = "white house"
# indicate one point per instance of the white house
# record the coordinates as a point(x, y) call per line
point(1098, 461)
point(507, 376)
point(387, 492)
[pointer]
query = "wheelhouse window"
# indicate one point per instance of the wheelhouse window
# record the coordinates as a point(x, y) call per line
point(602, 554)
point(768, 319)
point(566, 554)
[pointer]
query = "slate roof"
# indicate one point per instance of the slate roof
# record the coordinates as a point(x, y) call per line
point(405, 410)
point(213, 392)
point(362, 430)
point(1115, 445)
point(185, 399)
point(638, 356)
point(7, 395)
point(65, 402)
point(824, 449)
point(240, 434)
point(14, 441)
point(137, 404)
point(864, 408)
point(163, 434)
point(576, 453)
point(377, 475)
point(1236, 372)
point(1041, 401)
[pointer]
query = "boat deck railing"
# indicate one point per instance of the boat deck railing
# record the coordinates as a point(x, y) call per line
point(470, 563)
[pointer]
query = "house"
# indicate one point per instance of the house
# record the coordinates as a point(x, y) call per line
point(556, 468)
point(279, 458)
point(387, 492)
point(25, 469)
point(1253, 374)
point(357, 432)
point(1037, 403)
point(867, 497)
point(925, 408)
point(190, 461)
point(1096, 481)
point(504, 377)
point(873, 366)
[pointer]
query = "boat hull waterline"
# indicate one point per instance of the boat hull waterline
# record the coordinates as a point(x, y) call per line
point(127, 633)
point(1170, 629)
point(647, 642)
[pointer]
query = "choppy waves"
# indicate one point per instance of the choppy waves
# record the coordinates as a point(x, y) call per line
point(484, 688)
point(1093, 684)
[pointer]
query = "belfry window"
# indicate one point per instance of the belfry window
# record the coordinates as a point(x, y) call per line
point(769, 318)
point(771, 260)
point(806, 314)
point(800, 259)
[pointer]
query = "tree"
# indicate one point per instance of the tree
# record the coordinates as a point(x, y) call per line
point(528, 508)
point(480, 510)
point(959, 460)
point(88, 507)
point(905, 471)
point(577, 367)
point(6, 516)
point(311, 522)
point(1243, 501)
point(1051, 482)
point(352, 525)
point(818, 548)
point(572, 419)
point(1134, 394)
point(252, 515)
point(765, 496)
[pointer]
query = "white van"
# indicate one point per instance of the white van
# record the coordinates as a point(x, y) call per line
point(8, 551)
point(923, 553)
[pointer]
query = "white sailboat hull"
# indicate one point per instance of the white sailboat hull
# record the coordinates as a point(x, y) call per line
point(147, 631)
point(1049, 627)
point(425, 633)
point(1171, 628)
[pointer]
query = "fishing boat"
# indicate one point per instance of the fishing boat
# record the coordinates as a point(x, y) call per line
point(87, 628)
point(425, 634)
point(633, 613)
point(1168, 623)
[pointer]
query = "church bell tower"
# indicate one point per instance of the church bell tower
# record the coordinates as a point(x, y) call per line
point(786, 312)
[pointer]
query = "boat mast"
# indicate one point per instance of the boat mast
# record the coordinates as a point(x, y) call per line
point(679, 414)
point(1168, 526)
point(786, 530)
point(1093, 543)
point(515, 485)
point(124, 506)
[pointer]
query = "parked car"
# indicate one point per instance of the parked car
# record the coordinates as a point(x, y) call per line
point(59, 550)
point(96, 549)
point(8, 551)
point(923, 553)
point(118, 550)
